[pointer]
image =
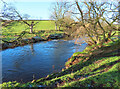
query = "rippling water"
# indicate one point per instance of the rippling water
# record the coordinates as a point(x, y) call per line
point(37, 60)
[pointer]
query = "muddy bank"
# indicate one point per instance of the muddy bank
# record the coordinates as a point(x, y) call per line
point(91, 53)
point(35, 39)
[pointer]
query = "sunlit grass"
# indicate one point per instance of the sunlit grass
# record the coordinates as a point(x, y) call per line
point(13, 30)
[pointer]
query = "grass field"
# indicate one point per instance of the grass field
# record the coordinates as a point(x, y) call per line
point(20, 26)
point(12, 30)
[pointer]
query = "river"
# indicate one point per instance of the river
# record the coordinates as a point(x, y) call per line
point(33, 61)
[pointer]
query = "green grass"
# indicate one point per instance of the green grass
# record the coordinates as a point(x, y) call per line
point(105, 79)
point(13, 29)
point(92, 76)
point(20, 26)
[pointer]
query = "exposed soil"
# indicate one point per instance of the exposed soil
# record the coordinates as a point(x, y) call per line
point(95, 53)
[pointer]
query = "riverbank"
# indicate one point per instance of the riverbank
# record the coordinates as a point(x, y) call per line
point(91, 68)
point(33, 39)
point(16, 33)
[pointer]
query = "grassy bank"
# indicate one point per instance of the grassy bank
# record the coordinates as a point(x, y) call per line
point(94, 68)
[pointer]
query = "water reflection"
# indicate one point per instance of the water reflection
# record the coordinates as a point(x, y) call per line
point(32, 49)
point(38, 59)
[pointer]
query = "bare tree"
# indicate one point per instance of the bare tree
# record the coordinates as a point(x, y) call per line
point(10, 13)
point(58, 13)
point(94, 20)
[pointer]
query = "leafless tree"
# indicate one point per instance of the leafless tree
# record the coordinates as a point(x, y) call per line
point(11, 14)
point(93, 17)
point(58, 12)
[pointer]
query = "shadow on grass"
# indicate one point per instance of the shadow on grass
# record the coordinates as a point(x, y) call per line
point(80, 65)
point(109, 79)
point(107, 65)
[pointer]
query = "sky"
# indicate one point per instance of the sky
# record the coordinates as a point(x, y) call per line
point(37, 9)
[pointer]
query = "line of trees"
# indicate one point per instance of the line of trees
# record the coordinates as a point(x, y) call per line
point(95, 18)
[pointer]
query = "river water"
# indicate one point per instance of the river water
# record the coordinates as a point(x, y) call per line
point(33, 61)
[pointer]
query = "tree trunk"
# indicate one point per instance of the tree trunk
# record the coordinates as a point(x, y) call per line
point(31, 29)
point(83, 24)
point(59, 27)
point(55, 26)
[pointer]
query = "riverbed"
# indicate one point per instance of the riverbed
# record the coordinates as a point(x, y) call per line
point(33, 61)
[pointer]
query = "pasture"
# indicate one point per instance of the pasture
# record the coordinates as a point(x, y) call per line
point(12, 30)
